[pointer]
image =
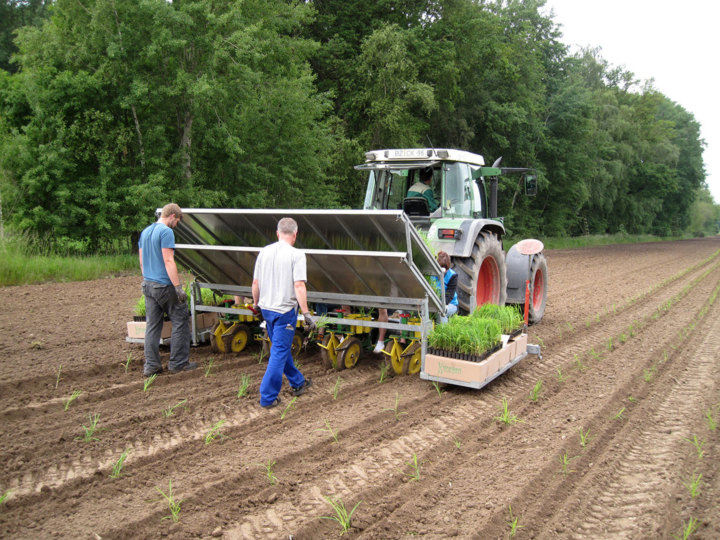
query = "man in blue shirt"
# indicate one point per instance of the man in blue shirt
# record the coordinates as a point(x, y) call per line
point(164, 294)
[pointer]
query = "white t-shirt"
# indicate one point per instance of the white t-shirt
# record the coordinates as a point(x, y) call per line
point(277, 268)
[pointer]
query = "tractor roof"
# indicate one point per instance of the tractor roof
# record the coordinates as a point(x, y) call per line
point(423, 154)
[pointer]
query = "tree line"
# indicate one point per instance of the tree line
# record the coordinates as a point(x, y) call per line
point(111, 108)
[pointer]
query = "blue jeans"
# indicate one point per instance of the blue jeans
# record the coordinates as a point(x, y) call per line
point(451, 310)
point(160, 299)
point(281, 331)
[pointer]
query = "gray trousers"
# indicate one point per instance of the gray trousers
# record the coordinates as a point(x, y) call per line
point(160, 299)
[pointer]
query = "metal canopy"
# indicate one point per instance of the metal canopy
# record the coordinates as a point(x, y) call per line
point(349, 252)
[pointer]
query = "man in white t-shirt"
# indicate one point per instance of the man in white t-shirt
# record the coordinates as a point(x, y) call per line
point(278, 287)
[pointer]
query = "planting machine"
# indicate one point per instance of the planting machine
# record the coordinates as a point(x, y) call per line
point(377, 257)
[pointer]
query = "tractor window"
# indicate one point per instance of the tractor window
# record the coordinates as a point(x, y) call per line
point(458, 196)
point(386, 189)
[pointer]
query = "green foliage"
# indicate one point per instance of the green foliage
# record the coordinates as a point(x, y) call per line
point(467, 335)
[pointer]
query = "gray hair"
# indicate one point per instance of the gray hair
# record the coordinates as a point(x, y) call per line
point(287, 226)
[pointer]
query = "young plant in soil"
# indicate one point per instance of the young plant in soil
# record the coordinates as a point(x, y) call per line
point(336, 389)
point(579, 364)
point(214, 432)
point(73, 397)
point(127, 362)
point(269, 473)
point(688, 529)
point(330, 430)
point(698, 444)
point(619, 414)
point(535, 392)
point(289, 407)
point(172, 503)
point(394, 409)
point(694, 485)
point(414, 465)
point(584, 437)
point(147, 383)
point(565, 463)
point(209, 367)
point(648, 374)
point(4, 496)
point(383, 371)
point(436, 386)
point(57, 379)
point(342, 516)
point(560, 377)
point(712, 424)
point(505, 416)
point(513, 523)
point(117, 467)
point(90, 430)
point(170, 410)
point(457, 442)
point(244, 385)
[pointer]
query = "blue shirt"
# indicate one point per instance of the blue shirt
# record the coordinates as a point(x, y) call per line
point(152, 241)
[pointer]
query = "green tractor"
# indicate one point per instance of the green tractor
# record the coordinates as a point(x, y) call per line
point(459, 215)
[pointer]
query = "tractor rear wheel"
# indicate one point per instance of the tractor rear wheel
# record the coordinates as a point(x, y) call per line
point(538, 289)
point(482, 277)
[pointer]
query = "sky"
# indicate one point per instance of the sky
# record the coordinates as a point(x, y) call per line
point(675, 43)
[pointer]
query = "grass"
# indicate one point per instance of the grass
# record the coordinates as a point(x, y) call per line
point(584, 437)
point(694, 485)
point(436, 386)
point(73, 397)
point(414, 465)
point(214, 432)
point(579, 364)
point(243, 387)
point(394, 409)
point(456, 442)
point(513, 523)
point(535, 392)
point(330, 430)
point(383, 371)
point(649, 374)
point(342, 516)
point(90, 430)
point(117, 467)
point(127, 362)
point(4, 496)
point(698, 444)
point(209, 366)
point(505, 416)
point(570, 242)
point(269, 473)
point(147, 383)
point(336, 389)
point(619, 415)
point(57, 379)
point(172, 503)
point(565, 463)
point(711, 422)
point(170, 410)
point(560, 377)
point(688, 529)
point(290, 406)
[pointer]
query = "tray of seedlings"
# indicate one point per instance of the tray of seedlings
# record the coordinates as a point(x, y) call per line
point(475, 349)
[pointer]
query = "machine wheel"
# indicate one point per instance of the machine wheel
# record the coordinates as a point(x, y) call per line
point(216, 341)
point(350, 354)
point(294, 348)
point(393, 352)
point(538, 289)
point(236, 339)
point(482, 277)
point(412, 359)
point(328, 351)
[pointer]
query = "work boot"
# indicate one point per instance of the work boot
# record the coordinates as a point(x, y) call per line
point(273, 404)
point(187, 367)
point(300, 390)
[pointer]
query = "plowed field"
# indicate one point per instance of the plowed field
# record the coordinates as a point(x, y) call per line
point(630, 360)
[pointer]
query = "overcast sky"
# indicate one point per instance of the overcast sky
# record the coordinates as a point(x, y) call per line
point(676, 43)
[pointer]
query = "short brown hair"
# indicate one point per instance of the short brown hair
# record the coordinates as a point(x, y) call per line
point(287, 225)
point(171, 209)
point(443, 260)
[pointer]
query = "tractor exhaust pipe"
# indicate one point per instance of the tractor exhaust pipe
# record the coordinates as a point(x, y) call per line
point(494, 190)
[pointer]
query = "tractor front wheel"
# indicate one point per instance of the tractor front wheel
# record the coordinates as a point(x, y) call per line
point(482, 277)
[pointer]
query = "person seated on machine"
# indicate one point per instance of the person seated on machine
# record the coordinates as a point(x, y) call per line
point(423, 189)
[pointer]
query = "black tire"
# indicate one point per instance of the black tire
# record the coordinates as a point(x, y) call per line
point(482, 277)
point(350, 354)
point(538, 289)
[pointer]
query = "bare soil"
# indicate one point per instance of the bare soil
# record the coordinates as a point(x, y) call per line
point(630, 349)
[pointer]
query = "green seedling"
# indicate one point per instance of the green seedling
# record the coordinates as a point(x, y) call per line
point(610, 344)
point(288, 408)
point(127, 362)
point(698, 444)
point(172, 503)
point(456, 441)
point(330, 430)
point(342, 516)
point(632, 399)
point(148, 382)
point(209, 367)
point(623, 338)
point(57, 379)
point(619, 415)
point(712, 424)
point(336, 389)
point(648, 374)
point(694, 485)
point(579, 364)
point(73, 397)
point(439, 390)
point(535, 392)
point(269, 473)
point(117, 467)
point(560, 377)
point(565, 463)
point(688, 529)
point(513, 523)
point(90, 430)
point(244, 385)
point(569, 325)
point(383, 372)
point(414, 465)
point(170, 410)
point(4, 496)
point(584, 437)
point(394, 409)
point(594, 354)
point(214, 432)
point(540, 341)
point(505, 416)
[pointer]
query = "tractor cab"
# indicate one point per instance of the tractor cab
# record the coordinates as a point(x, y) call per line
point(457, 184)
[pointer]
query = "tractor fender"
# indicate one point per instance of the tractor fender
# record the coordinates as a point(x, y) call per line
point(518, 272)
point(470, 230)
